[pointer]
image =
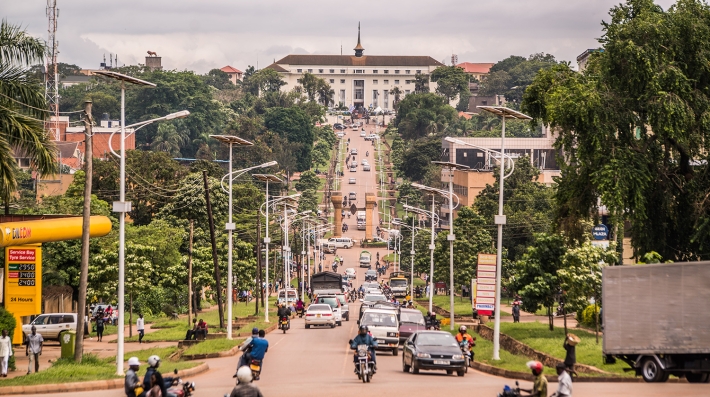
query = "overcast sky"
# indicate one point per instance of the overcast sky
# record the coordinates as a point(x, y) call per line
point(201, 35)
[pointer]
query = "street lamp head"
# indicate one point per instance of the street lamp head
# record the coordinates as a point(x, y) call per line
point(177, 115)
point(450, 164)
point(235, 140)
point(269, 164)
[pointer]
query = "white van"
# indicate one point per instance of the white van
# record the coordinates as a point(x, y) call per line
point(288, 296)
point(341, 242)
point(384, 326)
point(52, 326)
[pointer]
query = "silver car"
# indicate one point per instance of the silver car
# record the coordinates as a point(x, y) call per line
point(320, 314)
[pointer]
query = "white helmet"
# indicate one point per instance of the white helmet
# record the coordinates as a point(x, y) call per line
point(244, 374)
point(153, 361)
point(133, 361)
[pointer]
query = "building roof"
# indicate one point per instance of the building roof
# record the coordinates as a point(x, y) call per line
point(476, 67)
point(351, 60)
point(230, 69)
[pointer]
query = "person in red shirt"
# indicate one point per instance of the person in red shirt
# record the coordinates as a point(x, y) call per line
point(201, 332)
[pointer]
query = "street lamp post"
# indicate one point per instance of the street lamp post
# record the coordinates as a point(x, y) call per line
point(500, 219)
point(451, 236)
point(267, 178)
point(122, 206)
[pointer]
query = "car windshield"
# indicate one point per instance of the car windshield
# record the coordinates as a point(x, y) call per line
point(398, 283)
point(319, 308)
point(332, 301)
point(412, 318)
point(436, 340)
point(374, 298)
point(379, 319)
point(341, 298)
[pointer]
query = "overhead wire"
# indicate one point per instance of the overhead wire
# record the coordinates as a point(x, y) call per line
point(36, 108)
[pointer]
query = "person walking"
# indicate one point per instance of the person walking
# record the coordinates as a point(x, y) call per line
point(33, 349)
point(516, 312)
point(100, 327)
point(571, 341)
point(5, 352)
point(140, 325)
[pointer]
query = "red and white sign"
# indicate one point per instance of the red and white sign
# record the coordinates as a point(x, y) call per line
point(486, 284)
point(21, 255)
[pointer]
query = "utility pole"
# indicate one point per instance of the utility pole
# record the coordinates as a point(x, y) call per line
point(189, 275)
point(258, 263)
point(214, 251)
point(85, 228)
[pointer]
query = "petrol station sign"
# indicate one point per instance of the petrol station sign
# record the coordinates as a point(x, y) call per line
point(486, 284)
point(23, 283)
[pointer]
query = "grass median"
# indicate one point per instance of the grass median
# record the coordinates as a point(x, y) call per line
point(212, 346)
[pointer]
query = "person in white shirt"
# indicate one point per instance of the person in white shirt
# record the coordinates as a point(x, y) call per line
point(5, 352)
point(564, 382)
point(33, 349)
point(140, 325)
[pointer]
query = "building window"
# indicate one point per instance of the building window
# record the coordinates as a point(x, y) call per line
point(320, 70)
point(387, 71)
point(407, 81)
point(386, 81)
point(374, 71)
point(359, 71)
point(396, 82)
point(408, 71)
point(299, 70)
point(342, 81)
point(310, 70)
point(332, 70)
point(396, 71)
point(387, 99)
point(374, 81)
point(342, 96)
point(332, 81)
point(342, 70)
point(419, 72)
point(406, 92)
point(23, 162)
point(375, 95)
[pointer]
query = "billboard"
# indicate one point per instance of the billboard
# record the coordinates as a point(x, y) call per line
point(23, 283)
point(486, 284)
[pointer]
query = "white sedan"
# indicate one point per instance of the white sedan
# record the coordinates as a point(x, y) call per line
point(363, 133)
point(320, 314)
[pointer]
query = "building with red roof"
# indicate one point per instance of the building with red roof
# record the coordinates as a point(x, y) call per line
point(234, 73)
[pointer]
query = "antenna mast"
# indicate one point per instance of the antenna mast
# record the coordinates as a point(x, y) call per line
point(51, 75)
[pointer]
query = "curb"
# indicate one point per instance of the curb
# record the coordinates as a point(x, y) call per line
point(52, 388)
point(231, 352)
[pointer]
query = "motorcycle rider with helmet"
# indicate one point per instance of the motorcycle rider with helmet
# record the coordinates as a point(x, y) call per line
point(540, 385)
point(364, 338)
point(284, 311)
point(244, 387)
point(464, 336)
point(163, 383)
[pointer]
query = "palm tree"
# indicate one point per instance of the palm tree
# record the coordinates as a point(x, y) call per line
point(23, 108)
point(169, 140)
point(325, 93)
point(396, 92)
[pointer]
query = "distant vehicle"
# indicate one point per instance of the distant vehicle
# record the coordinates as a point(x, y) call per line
point(410, 321)
point(338, 126)
point(373, 137)
point(340, 135)
point(384, 327)
point(329, 248)
point(398, 284)
point(326, 283)
point(364, 161)
point(353, 151)
point(351, 181)
point(353, 169)
point(352, 196)
point(365, 259)
point(319, 315)
point(371, 275)
point(432, 350)
point(350, 272)
point(366, 167)
point(344, 306)
point(288, 296)
point(52, 326)
point(341, 242)
point(674, 338)
point(361, 216)
point(363, 133)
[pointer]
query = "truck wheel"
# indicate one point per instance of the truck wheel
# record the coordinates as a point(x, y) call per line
point(395, 351)
point(651, 371)
point(696, 378)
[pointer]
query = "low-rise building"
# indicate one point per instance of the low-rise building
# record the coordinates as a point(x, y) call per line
point(233, 73)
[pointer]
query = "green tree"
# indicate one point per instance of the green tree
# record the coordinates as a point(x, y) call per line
point(396, 92)
point(310, 84)
point(169, 140)
point(420, 115)
point(633, 128)
point(218, 79)
point(308, 201)
point(451, 81)
point(326, 94)
point(263, 81)
point(581, 275)
point(308, 181)
point(295, 125)
point(536, 276)
point(418, 157)
point(421, 83)
point(23, 108)
point(512, 76)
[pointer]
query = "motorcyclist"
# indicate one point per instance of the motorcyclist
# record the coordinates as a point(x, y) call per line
point(133, 386)
point(464, 336)
point(540, 385)
point(299, 305)
point(367, 153)
point(364, 338)
point(163, 383)
point(284, 311)
point(245, 359)
point(244, 387)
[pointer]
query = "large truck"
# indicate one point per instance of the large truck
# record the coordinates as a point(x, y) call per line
point(398, 284)
point(361, 225)
point(326, 283)
point(656, 319)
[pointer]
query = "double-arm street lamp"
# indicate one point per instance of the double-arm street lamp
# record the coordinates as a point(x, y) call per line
point(500, 220)
point(269, 178)
point(450, 237)
point(122, 206)
point(434, 218)
point(413, 228)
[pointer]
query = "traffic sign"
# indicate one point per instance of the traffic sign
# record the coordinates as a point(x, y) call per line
point(600, 232)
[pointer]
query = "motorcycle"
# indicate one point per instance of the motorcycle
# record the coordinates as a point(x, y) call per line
point(255, 366)
point(511, 392)
point(365, 365)
point(283, 324)
point(181, 388)
point(467, 352)
point(299, 312)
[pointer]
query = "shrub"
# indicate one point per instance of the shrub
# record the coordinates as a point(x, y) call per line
point(7, 321)
point(588, 315)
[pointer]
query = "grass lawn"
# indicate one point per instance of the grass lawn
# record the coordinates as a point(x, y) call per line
point(461, 307)
point(212, 346)
point(91, 368)
point(538, 336)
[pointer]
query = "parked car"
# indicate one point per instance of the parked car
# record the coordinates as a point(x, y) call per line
point(319, 315)
point(338, 126)
point(329, 248)
point(410, 321)
point(433, 350)
point(52, 326)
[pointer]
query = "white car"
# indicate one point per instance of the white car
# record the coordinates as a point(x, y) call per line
point(52, 326)
point(353, 151)
point(373, 137)
point(364, 162)
point(384, 327)
point(350, 272)
point(363, 134)
point(319, 315)
point(351, 181)
point(334, 303)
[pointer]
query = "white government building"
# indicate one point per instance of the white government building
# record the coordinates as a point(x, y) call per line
point(359, 80)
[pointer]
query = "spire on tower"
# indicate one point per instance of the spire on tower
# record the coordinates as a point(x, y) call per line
point(358, 48)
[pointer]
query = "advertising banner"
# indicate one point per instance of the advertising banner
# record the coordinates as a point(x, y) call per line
point(486, 284)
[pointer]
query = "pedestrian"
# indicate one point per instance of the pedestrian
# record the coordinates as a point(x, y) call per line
point(33, 349)
point(140, 325)
point(564, 382)
point(516, 311)
point(571, 341)
point(5, 352)
point(100, 327)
